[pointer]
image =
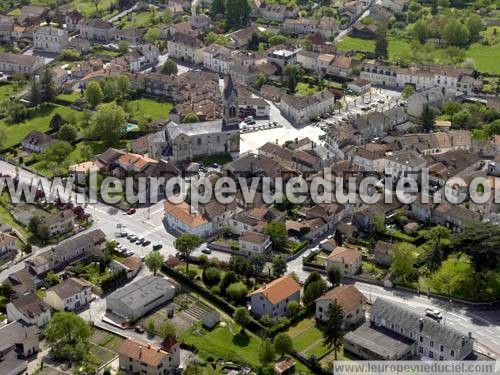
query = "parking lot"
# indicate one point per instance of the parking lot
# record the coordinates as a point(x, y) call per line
point(352, 106)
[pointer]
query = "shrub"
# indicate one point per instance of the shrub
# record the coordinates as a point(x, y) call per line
point(215, 290)
point(211, 276)
point(237, 291)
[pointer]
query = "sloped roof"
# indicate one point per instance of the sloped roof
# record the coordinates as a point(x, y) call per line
point(347, 296)
point(279, 289)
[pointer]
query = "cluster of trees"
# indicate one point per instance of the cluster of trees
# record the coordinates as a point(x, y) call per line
point(164, 329)
point(13, 111)
point(236, 13)
point(169, 67)
point(42, 89)
point(107, 90)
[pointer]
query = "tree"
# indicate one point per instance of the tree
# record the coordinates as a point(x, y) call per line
point(334, 275)
point(408, 91)
point(167, 328)
point(427, 118)
point(154, 261)
point(109, 89)
point(254, 41)
point(190, 118)
point(52, 278)
point(292, 309)
point(217, 7)
point(261, 80)
point(227, 279)
point(381, 44)
point(236, 291)
point(13, 110)
point(313, 291)
point(242, 317)
point(152, 35)
point(123, 86)
point(56, 121)
point(290, 73)
point(439, 237)
point(43, 231)
point(169, 67)
point(35, 95)
point(279, 266)
point(68, 335)
point(402, 261)
point(57, 152)
point(421, 30)
point(151, 326)
point(33, 224)
point(474, 25)
point(93, 94)
point(240, 265)
point(237, 13)
point(379, 223)
point(185, 245)
point(47, 85)
point(123, 46)
point(333, 333)
point(312, 277)
point(213, 37)
point(455, 33)
point(109, 123)
point(266, 352)
point(434, 7)
point(211, 276)
point(167, 16)
point(283, 344)
point(257, 263)
point(278, 233)
point(67, 133)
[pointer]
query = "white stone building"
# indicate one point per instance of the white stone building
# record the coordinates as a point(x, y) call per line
point(50, 39)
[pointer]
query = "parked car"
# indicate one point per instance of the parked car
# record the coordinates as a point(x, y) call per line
point(130, 235)
point(139, 240)
point(139, 328)
point(146, 243)
point(434, 314)
point(131, 211)
point(157, 246)
point(129, 253)
point(206, 251)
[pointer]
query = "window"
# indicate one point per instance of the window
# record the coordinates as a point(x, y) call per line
point(441, 358)
point(452, 353)
point(441, 348)
point(421, 338)
point(431, 354)
point(420, 350)
point(432, 344)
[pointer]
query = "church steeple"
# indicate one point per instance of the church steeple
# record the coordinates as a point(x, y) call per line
point(230, 102)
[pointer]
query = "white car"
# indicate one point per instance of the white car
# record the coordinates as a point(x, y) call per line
point(434, 314)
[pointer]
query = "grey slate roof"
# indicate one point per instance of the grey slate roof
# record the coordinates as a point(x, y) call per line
point(143, 291)
point(410, 320)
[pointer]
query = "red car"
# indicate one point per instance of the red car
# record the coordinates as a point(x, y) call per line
point(131, 211)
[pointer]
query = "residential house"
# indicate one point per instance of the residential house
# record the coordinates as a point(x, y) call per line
point(359, 86)
point(70, 294)
point(347, 260)
point(239, 39)
point(380, 14)
point(200, 22)
point(137, 357)
point(351, 10)
point(131, 265)
point(11, 63)
point(350, 299)
point(282, 57)
point(59, 78)
point(50, 39)
point(404, 163)
point(18, 341)
point(383, 252)
point(37, 141)
point(30, 309)
point(31, 15)
point(254, 220)
point(273, 298)
point(432, 97)
point(6, 27)
point(395, 6)
point(67, 252)
point(298, 160)
point(360, 30)
point(300, 26)
point(452, 216)
point(138, 298)
point(132, 35)
point(7, 243)
point(301, 110)
point(277, 12)
point(422, 77)
point(370, 157)
point(178, 216)
point(256, 107)
point(72, 20)
point(59, 223)
point(217, 213)
point(397, 332)
point(97, 30)
point(24, 281)
point(253, 243)
point(217, 58)
point(186, 48)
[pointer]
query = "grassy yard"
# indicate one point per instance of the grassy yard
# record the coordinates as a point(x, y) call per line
point(72, 97)
point(225, 343)
point(151, 109)
point(486, 58)
point(87, 7)
point(136, 19)
point(39, 120)
point(307, 338)
point(219, 159)
point(397, 47)
point(7, 90)
point(303, 89)
point(93, 274)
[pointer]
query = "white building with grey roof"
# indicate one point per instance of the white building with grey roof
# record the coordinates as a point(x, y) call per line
point(396, 332)
point(140, 297)
point(50, 39)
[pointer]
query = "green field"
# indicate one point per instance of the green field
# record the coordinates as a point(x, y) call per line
point(146, 108)
point(486, 58)
point(303, 89)
point(87, 7)
point(7, 90)
point(136, 19)
point(39, 120)
point(397, 47)
point(224, 342)
point(71, 97)
point(307, 338)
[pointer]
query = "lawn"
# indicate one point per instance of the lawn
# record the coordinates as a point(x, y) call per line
point(146, 108)
point(307, 338)
point(39, 120)
point(225, 343)
point(397, 47)
point(486, 58)
point(303, 89)
point(87, 7)
point(71, 97)
point(7, 90)
point(218, 158)
point(93, 275)
point(136, 19)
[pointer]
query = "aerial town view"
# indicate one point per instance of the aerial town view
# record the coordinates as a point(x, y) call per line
point(249, 187)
